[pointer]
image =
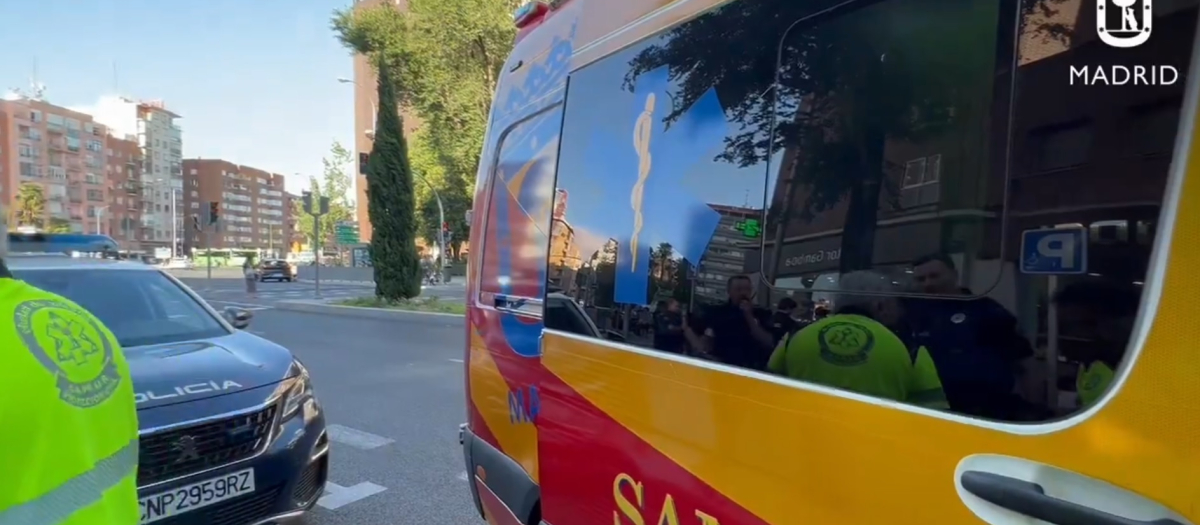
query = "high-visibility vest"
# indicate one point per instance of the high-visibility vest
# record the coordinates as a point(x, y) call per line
point(68, 419)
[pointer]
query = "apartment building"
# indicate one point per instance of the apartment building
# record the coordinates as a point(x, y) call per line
point(365, 106)
point(254, 209)
point(58, 153)
point(160, 141)
point(124, 212)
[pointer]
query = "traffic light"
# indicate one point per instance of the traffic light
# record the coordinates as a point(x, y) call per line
point(214, 212)
point(306, 199)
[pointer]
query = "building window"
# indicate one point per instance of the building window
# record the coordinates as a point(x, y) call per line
point(921, 185)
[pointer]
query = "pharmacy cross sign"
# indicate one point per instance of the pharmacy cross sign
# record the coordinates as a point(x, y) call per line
point(750, 228)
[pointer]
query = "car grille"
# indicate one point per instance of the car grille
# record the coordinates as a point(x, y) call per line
point(182, 451)
point(241, 510)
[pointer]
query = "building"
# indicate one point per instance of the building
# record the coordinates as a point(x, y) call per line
point(726, 253)
point(365, 85)
point(254, 210)
point(160, 140)
point(59, 152)
point(124, 212)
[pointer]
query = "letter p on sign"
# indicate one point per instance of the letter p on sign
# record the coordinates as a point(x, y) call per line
point(1054, 251)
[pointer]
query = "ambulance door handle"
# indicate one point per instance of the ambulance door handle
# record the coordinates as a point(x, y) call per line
point(1030, 499)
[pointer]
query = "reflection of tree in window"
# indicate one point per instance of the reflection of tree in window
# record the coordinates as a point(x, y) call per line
point(904, 69)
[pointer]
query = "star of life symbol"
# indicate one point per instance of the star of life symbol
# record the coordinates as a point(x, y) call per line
point(69, 343)
point(1132, 30)
point(186, 446)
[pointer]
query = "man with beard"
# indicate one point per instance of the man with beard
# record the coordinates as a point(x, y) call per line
point(735, 331)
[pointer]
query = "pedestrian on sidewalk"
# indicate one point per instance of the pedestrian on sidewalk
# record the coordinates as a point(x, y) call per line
point(251, 277)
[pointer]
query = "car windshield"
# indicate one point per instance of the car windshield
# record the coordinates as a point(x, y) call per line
point(140, 307)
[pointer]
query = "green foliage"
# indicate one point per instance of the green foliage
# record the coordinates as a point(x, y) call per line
point(841, 90)
point(455, 194)
point(390, 203)
point(335, 183)
point(448, 57)
point(31, 205)
point(58, 225)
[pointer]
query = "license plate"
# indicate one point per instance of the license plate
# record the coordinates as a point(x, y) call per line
point(195, 496)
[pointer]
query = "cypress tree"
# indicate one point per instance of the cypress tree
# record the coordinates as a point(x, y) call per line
point(390, 202)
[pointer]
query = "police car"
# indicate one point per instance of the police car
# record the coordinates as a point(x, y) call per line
point(231, 432)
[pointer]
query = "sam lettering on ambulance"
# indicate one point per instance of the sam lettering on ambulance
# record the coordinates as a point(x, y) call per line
point(69, 343)
point(187, 390)
point(633, 510)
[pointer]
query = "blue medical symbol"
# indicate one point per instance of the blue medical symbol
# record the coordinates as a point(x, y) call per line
point(643, 165)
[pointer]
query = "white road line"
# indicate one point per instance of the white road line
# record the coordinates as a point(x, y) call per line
point(462, 476)
point(337, 496)
point(456, 360)
point(248, 306)
point(356, 438)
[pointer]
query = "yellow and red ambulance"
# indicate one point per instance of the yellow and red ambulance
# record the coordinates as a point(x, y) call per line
point(645, 157)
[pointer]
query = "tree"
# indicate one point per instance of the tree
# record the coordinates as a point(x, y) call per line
point(31, 205)
point(447, 57)
point(390, 202)
point(336, 184)
point(58, 225)
point(832, 92)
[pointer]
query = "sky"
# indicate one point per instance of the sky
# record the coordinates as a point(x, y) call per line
point(255, 81)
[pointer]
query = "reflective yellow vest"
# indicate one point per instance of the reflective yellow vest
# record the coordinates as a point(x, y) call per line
point(68, 420)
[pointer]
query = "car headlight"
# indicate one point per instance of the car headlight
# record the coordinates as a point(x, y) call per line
point(298, 393)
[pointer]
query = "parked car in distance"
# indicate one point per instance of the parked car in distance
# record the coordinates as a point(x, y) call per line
point(276, 269)
point(179, 263)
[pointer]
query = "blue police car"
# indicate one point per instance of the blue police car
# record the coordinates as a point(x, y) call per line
point(231, 431)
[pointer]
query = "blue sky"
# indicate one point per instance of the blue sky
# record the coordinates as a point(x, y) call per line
point(255, 81)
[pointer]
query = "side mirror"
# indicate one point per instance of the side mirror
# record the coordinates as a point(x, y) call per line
point(238, 317)
point(613, 335)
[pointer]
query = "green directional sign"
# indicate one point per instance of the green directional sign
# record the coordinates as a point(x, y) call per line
point(346, 233)
point(750, 228)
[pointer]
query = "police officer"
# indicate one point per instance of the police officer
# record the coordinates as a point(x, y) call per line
point(976, 344)
point(68, 420)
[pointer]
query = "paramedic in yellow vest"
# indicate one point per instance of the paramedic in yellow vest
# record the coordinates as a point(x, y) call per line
point(1096, 317)
point(854, 348)
point(68, 420)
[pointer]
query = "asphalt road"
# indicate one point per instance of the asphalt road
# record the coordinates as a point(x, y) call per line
point(229, 290)
point(393, 395)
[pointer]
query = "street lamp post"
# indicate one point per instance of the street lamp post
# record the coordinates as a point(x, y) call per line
point(99, 219)
point(441, 210)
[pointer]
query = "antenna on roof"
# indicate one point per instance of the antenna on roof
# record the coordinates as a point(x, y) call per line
point(37, 89)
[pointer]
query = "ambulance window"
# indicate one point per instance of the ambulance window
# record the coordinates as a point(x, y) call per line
point(519, 208)
point(899, 149)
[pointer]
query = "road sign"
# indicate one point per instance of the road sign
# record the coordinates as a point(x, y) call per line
point(1054, 251)
point(346, 233)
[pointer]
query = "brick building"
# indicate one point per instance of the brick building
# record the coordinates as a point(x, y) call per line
point(123, 172)
point(365, 85)
point(254, 208)
point(1065, 154)
point(61, 153)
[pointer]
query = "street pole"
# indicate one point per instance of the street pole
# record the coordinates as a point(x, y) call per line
point(317, 254)
point(441, 237)
point(174, 227)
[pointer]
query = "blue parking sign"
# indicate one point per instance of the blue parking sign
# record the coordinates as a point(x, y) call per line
point(1054, 251)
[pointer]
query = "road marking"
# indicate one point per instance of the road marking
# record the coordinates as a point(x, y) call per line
point(462, 476)
point(248, 306)
point(337, 496)
point(356, 438)
point(456, 360)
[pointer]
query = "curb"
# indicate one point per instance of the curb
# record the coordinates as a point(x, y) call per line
point(336, 281)
point(314, 307)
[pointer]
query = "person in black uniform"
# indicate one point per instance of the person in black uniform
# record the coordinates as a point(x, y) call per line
point(976, 344)
point(668, 327)
point(783, 321)
point(735, 332)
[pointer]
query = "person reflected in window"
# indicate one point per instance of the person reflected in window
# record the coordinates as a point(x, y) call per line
point(855, 348)
point(976, 344)
point(735, 331)
point(1096, 319)
point(668, 327)
point(783, 321)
